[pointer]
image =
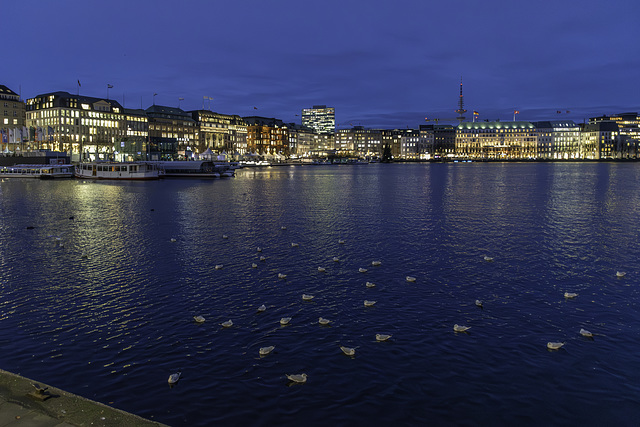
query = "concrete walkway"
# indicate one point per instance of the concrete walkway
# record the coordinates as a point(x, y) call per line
point(22, 405)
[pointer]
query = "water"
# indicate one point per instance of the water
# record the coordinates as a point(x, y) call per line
point(112, 326)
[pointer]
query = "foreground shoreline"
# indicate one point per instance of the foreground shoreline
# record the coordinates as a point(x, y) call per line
point(60, 409)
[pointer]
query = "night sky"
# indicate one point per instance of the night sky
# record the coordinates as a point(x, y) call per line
point(379, 63)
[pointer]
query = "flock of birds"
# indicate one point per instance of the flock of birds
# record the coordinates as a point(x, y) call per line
point(351, 351)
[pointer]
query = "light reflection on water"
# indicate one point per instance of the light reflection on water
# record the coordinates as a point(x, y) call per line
point(113, 324)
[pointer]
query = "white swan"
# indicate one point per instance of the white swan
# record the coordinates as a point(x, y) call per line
point(198, 319)
point(348, 350)
point(620, 274)
point(370, 285)
point(554, 345)
point(323, 321)
point(376, 263)
point(173, 240)
point(382, 337)
point(368, 303)
point(254, 265)
point(479, 303)
point(322, 269)
point(227, 324)
point(362, 270)
point(410, 279)
point(282, 276)
point(266, 350)
point(283, 228)
point(336, 259)
point(460, 328)
point(293, 245)
point(218, 267)
point(570, 295)
point(262, 308)
point(306, 297)
point(297, 378)
point(285, 320)
point(259, 249)
point(173, 378)
point(224, 236)
point(262, 258)
point(585, 333)
point(488, 258)
point(341, 242)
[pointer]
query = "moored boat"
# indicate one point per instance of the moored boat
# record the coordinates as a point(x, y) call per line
point(37, 171)
point(117, 170)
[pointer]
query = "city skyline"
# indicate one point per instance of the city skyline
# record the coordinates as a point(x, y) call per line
point(377, 65)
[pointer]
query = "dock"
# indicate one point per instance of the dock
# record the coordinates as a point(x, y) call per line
point(22, 403)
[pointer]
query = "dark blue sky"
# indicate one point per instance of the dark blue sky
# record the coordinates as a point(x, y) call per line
point(379, 63)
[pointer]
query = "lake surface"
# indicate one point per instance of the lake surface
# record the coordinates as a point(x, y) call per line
point(102, 305)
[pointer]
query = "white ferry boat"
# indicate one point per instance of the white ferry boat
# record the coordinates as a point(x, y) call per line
point(37, 171)
point(118, 170)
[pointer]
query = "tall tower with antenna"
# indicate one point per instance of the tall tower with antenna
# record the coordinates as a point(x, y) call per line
point(461, 109)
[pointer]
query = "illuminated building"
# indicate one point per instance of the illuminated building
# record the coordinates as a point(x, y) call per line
point(629, 128)
point(392, 138)
point(497, 140)
point(134, 144)
point(87, 128)
point(437, 141)
point(222, 133)
point(267, 136)
point(12, 119)
point(410, 144)
point(359, 141)
point(171, 133)
point(320, 118)
point(558, 140)
point(599, 140)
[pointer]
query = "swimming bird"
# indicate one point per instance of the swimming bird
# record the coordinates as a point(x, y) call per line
point(341, 242)
point(376, 263)
point(283, 228)
point(411, 279)
point(266, 350)
point(348, 350)
point(620, 274)
point(323, 321)
point(218, 267)
point(293, 245)
point(554, 345)
point(227, 324)
point(336, 259)
point(370, 285)
point(362, 270)
point(198, 319)
point(254, 265)
point(368, 303)
point(307, 297)
point(570, 295)
point(173, 378)
point(322, 269)
point(224, 236)
point(297, 378)
point(460, 328)
point(173, 240)
point(282, 276)
point(382, 337)
point(479, 303)
point(263, 258)
point(259, 249)
point(262, 308)
point(285, 320)
point(84, 255)
point(488, 258)
point(586, 333)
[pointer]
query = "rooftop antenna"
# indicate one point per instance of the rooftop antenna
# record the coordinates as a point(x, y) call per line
point(461, 109)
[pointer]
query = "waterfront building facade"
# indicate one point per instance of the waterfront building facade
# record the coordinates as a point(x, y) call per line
point(172, 133)
point(393, 138)
point(267, 136)
point(496, 140)
point(410, 144)
point(437, 141)
point(12, 119)
point(558, 139)
point(320, 118)
point(85, 127)
point(222, 133)
point(134, 144)
point(359, 141)
point(629, 132)
point(598, 141)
